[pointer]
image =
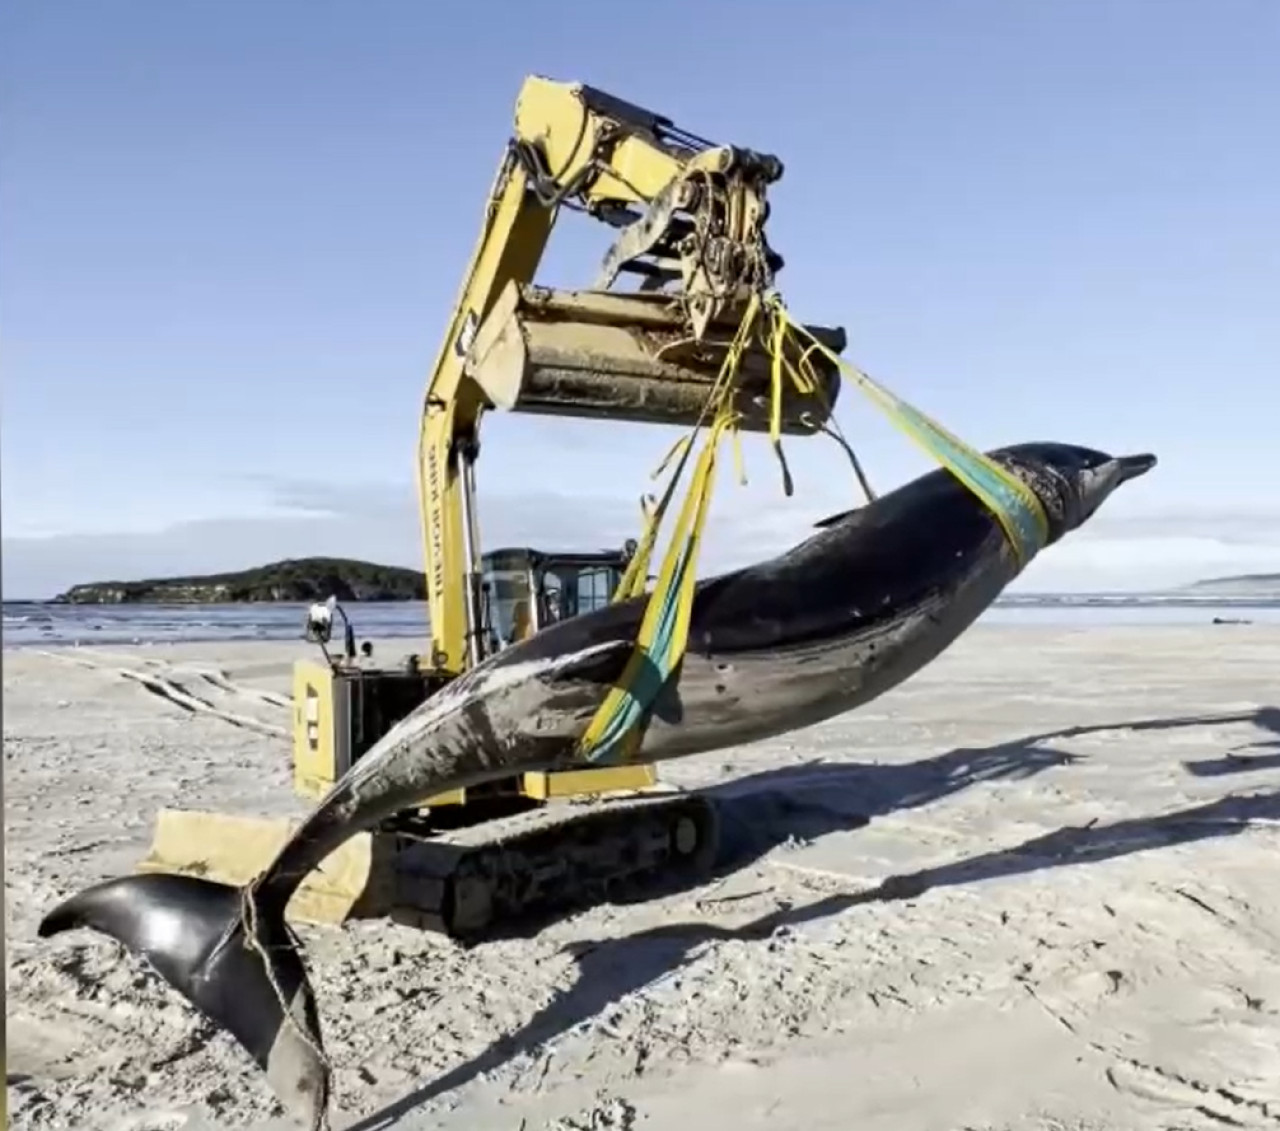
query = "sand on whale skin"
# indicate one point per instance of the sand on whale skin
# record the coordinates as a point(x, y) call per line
point(980, 902)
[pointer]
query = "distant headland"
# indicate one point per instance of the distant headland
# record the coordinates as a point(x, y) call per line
point(314, 579)
point(295, 579)
point(1239, 585)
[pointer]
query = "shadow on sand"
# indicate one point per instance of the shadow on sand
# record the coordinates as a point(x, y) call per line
point(1234, 762)
point(765, 810)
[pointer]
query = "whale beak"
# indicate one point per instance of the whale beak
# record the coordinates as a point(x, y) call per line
point(1133, 466)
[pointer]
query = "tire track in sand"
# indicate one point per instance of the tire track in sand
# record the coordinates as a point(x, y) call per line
point(164, 686)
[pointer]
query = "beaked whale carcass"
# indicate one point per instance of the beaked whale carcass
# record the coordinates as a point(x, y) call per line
point(852, 611)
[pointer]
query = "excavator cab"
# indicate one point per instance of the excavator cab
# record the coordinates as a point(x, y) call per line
point(522, 591)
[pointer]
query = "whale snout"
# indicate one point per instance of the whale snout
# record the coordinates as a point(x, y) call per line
point(1133, 466)
point(1087, 478)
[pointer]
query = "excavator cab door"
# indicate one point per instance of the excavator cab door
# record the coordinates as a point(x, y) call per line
point(523, 591)
point(508, 599)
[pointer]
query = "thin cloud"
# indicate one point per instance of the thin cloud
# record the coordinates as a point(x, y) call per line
point(1233, 526)
point(1151, 549)
point(372, 523)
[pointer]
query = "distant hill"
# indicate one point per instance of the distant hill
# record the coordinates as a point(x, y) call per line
point(1251, 583)
point(301, 579)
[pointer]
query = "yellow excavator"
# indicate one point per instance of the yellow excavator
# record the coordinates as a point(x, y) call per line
point(689, 218)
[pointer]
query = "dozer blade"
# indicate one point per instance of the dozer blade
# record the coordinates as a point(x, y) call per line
point(630, 357)
point(355, 881)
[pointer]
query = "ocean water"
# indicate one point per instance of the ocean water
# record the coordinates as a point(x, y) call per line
point(28, 623)
point(31, 624)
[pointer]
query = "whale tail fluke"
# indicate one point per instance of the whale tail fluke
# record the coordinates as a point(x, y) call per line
point(233, 958)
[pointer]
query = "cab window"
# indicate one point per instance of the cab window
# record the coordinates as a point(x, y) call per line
point(510, 606)
point(595, 587)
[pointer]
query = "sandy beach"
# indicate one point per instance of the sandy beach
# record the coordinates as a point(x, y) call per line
point(1034, 888)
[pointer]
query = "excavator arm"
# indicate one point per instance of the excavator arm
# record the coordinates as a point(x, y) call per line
point(690, 217)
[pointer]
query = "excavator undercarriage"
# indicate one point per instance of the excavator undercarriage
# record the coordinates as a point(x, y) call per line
point(505, 874)
point(690, 218)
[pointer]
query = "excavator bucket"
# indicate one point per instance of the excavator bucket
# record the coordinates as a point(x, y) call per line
point(631, 357)
point(354, 882)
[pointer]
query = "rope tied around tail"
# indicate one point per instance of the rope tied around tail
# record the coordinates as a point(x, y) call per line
point(252, 940)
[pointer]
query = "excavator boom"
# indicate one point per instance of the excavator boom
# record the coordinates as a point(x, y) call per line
point(690, 217)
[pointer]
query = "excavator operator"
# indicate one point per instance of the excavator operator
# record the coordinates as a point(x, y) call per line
point(521, 622)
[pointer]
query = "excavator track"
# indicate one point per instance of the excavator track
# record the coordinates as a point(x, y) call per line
point(494, 888)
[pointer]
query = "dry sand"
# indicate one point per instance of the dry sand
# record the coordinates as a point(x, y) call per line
point(1037, 887)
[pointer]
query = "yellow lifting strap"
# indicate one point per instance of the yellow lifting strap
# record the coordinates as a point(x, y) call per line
point(1013, 503)
point(637, 571)
point(614, 732)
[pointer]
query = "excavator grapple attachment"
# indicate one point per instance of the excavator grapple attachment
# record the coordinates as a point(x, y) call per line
point(631, 357)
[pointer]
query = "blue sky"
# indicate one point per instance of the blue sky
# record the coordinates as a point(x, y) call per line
point(233, 233)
